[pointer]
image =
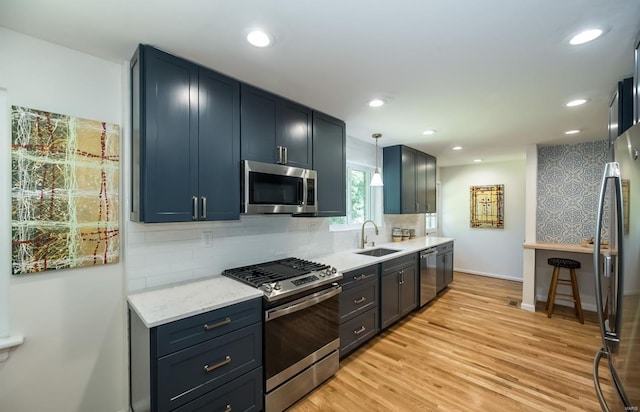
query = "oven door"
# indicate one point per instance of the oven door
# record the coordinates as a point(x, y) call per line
point(300, 333)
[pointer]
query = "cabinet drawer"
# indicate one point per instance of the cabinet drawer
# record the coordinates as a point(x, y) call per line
point(358, 330)
point(357, 277)
point(196, 329)
point(398, 263)
point(242, 394)
point(358, 299)
point(192, 372)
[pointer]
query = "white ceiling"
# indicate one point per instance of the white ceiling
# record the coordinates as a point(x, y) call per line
point(489, 75)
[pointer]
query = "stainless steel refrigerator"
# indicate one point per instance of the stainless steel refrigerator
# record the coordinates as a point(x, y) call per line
point(617, 273)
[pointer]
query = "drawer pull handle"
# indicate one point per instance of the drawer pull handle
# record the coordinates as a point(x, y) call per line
point(226, 360)
point(217, 325)
point(359, 331)
point(359, 301)
point(228, 408)
point(361, 277)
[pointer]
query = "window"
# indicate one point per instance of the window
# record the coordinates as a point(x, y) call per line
point(361, 199)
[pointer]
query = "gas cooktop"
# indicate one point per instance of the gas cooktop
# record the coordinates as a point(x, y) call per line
point(284, 277)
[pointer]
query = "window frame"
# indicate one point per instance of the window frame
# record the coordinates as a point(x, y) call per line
point(370, 203)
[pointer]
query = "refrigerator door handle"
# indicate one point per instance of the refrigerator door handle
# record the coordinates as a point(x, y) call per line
point(596, 379)
point(609, 335)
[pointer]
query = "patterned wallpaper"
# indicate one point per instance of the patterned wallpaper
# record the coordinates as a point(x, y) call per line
point(568, 188)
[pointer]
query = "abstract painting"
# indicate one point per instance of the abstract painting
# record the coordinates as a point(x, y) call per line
point(64, 196)
point(487, 206)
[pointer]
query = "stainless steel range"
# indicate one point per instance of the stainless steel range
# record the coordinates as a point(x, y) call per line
point(301, 336)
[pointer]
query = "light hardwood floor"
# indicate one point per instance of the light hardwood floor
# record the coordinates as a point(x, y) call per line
point(470, 350)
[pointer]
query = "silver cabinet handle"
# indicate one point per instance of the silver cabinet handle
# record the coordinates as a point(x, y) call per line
point(280, 156)
point(217, 324)
point(228, 408)
point(226, 360)
point(204, 207)
point(359, 301)
point(359, 331)
point(286, 155)
point(361, 277)
point(194, 201)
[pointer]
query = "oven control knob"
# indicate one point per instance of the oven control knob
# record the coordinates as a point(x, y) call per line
point(333, 270)
point(277, 286)
point(322, 273)
point(267, 288)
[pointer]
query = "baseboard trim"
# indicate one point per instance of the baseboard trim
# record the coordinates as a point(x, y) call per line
point(527, 307)
point(490, 275)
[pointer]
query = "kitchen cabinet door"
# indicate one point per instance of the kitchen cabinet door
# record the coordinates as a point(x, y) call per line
point(408, 289)
point(329, 161)
point(164, 136)
point(421, 182)
point(295, 135)
point(408, 181)
point(219, 147)
point(389, 299)
point(258, 114)
point(431, 184)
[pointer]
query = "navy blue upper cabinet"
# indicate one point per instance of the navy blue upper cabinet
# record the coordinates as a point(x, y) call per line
point(409, 181)
point(219, 146)
point(274, 129)
point(185, 140)
point(329, 161)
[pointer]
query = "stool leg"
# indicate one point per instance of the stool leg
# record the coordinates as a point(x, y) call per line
point(552, 291)
point(576, 295)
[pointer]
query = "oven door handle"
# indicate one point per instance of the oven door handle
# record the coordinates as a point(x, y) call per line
point(303, 303)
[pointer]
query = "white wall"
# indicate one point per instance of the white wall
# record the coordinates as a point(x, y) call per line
point(74, 357)
point(492, 252)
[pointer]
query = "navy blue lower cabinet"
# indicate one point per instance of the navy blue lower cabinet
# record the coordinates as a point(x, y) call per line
point(398, 284)
point(359, 315)
point(211, 361)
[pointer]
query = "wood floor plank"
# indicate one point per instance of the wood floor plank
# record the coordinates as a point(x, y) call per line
point(471, 350)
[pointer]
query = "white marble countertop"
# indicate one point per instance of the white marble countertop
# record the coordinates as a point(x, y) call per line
point(160, 306)
point(350, 260)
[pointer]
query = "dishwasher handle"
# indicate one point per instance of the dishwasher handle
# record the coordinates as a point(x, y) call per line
point(428, 253)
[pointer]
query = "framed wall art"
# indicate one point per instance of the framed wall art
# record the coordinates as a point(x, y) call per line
point(64, 195)
point(487, 206)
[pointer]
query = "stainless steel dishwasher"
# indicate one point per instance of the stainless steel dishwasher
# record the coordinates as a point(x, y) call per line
point(428, 274)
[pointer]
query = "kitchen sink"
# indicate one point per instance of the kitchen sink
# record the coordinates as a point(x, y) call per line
point(377, 252)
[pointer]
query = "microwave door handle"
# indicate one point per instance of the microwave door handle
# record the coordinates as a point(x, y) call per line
point(286, 155)
point(302, 192)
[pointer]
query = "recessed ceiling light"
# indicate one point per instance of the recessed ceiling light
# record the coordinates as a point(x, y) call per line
point(259, 38)
point(576, 102)
point(456, 148)
point(586, 36)
point(477, 160)
point(376, 102)
point(428, 132)
point(576, 131)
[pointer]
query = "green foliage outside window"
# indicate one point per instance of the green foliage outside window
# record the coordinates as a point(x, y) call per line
point(358, 198)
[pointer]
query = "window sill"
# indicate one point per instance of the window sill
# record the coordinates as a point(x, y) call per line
point(6, 344)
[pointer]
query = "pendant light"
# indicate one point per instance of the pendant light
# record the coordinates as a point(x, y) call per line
point(376, 179)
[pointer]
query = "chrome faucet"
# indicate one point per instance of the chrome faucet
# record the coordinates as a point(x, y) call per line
point(363, 239)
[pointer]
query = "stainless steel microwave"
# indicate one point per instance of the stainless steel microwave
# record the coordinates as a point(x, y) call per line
point(272, 188)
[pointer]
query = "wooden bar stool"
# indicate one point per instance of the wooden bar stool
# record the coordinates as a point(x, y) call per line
point(572, 265)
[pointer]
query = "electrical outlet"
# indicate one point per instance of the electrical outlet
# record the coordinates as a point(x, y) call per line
point(207, 239)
